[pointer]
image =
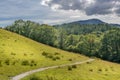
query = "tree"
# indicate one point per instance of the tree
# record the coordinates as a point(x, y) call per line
point(88, 45)
point(61, 38)
point(110, 49)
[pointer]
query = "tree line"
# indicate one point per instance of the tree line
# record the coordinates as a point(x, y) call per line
point(99, 40)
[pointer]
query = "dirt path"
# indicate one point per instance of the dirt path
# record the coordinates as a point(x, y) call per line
point(20, 76)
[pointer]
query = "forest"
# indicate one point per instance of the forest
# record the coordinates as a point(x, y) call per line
point(93, 40)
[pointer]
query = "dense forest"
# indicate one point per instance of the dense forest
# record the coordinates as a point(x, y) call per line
point(99, 40)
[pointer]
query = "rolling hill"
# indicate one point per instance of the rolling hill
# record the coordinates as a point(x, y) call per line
point(19, 54)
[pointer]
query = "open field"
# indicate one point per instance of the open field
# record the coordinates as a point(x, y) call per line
point(19, 54)
point(96, 70)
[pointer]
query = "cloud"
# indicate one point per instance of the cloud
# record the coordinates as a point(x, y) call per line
point(58, 11)
point(90, 7)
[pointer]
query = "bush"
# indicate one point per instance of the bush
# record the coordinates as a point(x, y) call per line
point(88, 62)
point(25, 54)
point(25, 62)
point(15, 40)
point(7, 62)
point(106, 69)
point(13, 53)
point(69, 59)
point(45, 54)
point(54, 59)
point(91, 70)
point(56, 53)
point(99, 69)
point(3, 44)
point(14, 63)
point(69, 68)
point(51, 78)
point(57, 57)
point(74, 66)
point(33, 63)
point(35, 78)
point(0, 63)
point(50, 56)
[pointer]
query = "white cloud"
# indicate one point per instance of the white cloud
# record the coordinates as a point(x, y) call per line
point(45, 2)
point(55, 7)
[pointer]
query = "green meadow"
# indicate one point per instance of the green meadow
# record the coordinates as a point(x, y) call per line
point(96, 70)
point(19, 54)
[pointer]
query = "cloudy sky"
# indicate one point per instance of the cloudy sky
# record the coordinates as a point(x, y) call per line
point(58, 11)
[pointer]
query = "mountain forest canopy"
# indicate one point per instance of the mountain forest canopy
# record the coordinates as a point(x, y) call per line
point(99, 40)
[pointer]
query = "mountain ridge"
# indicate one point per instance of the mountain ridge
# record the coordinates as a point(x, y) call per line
point(92, 21)
point(89, 21)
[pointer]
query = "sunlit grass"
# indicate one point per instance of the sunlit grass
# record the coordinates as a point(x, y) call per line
point(96, 70)
point(19, 54)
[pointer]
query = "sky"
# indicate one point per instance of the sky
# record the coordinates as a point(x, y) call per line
point(58, 11)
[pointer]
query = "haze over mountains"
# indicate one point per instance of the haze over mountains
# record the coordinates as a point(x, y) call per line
point(90, 21)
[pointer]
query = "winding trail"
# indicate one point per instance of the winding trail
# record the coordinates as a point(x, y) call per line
point(20, 76)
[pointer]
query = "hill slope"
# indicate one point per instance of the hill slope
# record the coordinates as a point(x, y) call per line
point(19, 54)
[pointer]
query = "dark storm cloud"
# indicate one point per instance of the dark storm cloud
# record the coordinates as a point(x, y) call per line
point(100, 7)
point(90, 7)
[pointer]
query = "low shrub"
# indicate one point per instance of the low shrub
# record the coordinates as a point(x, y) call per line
point(69, 68)
point(25, 54)
point(25, 62)
point(56, 53)
point(14, 63)
point(106, 69)
point(74, 66)
point(13, 54)
point(35, 78)
point(44, 53)
point(54, 59)
point(88, 62)
point(7, 62)
point(0, 63)
point(99, 69)
point(51, 78)
point(91, 70)
point(50, 56)
point(57, 57)
point(69, 59)
point(33, 63)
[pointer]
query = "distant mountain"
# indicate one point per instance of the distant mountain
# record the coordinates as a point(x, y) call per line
point(118, 25)
point(90, 21)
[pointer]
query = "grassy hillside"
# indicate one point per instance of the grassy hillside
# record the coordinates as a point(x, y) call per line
point(19, 54)
point(97, 70)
